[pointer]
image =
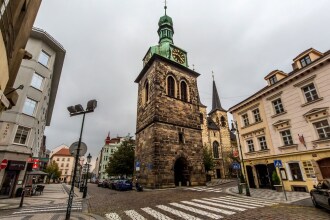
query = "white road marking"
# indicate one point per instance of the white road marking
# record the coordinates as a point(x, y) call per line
point(198, 211)
point(112, 216)
point(209, 208)
point(155, 214)
point(254, 201)
point(46, 210)
point(234, 203)
point(219, 205)
point(178, 213)
point(134, 215)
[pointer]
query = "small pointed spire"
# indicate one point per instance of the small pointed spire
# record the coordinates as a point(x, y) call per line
point(165, 7)
point(193, 67)
point(107, 140)
point(216, 104)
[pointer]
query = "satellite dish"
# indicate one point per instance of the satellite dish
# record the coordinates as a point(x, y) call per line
point(74, 147)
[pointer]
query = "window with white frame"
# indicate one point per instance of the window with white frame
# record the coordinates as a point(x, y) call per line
point(37, 81)
point(322, 128)
point(262, 143)
point(250, 145)
point(295, 171)
point(245, 118)
point(29, 106)
point(21, 135)
point(278, 107)
point(305, 61)
point(286, 137)
point(310, 92)
point(44, 58)
point(256, 114)
point(272, 80)
point(309, 170)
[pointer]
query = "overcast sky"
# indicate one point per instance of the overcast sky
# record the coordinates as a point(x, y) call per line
point(241, 41)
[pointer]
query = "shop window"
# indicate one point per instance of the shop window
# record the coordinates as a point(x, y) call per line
point(295, 171)
point(309, 170)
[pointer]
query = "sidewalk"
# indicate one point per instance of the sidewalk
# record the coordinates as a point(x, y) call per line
point(270, 194)
point(54, 195)
point(216, 182)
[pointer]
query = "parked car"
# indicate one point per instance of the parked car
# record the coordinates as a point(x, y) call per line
point(99, 183)
point(123, 185)
point(112, 183)
point(321, 194)
point(105, 184)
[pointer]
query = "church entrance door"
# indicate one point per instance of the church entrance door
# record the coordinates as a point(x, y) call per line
point(181, 172)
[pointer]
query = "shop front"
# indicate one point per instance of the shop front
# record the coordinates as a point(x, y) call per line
point(10, 178)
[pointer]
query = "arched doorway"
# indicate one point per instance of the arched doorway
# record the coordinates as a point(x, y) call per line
point(324, 166)
point(181, 172)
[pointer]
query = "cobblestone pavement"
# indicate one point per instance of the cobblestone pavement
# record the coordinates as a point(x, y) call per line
point(180, 203)
point(271, 194)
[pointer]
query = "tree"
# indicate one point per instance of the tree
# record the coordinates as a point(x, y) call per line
point(122, 161)
point(53, 171)
point(276, 178)
point(208, 159)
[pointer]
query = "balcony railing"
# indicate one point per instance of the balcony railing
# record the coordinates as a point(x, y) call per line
point(6, 26)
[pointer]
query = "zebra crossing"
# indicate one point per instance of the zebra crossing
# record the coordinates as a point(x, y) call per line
point(204, 189)
point(47, 208)
point(196, 209)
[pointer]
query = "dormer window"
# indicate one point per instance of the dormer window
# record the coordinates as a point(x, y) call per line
point(272, 80)
point(305, 61)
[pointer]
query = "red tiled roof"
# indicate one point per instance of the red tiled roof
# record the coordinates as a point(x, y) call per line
point(63, 152)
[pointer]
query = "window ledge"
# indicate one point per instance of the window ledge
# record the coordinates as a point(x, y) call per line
point(249, 125)
point(251, 152)
point(321, 140)
point(311, 102)
point(282, 113)
point(288, 146)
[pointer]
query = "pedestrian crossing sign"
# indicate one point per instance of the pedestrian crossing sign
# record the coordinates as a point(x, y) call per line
point(236, 166)
point(278, 163)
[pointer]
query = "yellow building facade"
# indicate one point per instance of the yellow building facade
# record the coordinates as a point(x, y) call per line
point(288, 120)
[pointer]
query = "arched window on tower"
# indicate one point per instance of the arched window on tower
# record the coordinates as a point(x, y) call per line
point(183, 87)
point(223, 121)
point(170, 86)
point(146, 92)
point(215, 149)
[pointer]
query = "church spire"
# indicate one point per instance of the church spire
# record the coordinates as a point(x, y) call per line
point(165, 30)
point(216, 104)
point(107, 140)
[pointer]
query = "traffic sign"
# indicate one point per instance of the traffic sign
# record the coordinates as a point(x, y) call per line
point(278, 163)
point(74, 148)
point(236, 166)
point(235, 153)
point(137, 166)
point(4, 164)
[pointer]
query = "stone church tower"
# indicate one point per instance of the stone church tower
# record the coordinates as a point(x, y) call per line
point(169, 148)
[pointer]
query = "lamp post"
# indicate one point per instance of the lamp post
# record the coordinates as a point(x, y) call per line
point(78, 110)
point(19, 87)
point(235, 128)
point(89, 157)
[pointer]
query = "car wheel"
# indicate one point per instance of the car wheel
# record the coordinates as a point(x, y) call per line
point(314, 202)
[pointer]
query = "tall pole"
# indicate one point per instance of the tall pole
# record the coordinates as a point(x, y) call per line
point(247, 190)
point(86, 178)
point(68, 210)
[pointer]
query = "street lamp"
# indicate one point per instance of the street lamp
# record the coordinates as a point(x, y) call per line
point(89, 157)
point(233, 129)
point(78, 110)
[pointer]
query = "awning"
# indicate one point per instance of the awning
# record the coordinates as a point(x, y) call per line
point(37, 173)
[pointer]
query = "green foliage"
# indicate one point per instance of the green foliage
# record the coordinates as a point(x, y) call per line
point(122, 161)
point(208, 159)
point(275, 178)
point(53, 171)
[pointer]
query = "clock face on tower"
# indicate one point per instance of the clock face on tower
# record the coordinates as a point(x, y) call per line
point(178, 56)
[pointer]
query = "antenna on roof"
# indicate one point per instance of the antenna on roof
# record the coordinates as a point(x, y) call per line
point(165, 7)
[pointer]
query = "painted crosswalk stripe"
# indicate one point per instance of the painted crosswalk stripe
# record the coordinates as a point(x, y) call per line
point(155, 214)
point(112, 216)
point(252, 200)
point(209, 208)
point(134, 215)
point(228, 202)
point(219, 205)
point(198, 211)
point(178, 213)
point(239, 201)
point(205, 189)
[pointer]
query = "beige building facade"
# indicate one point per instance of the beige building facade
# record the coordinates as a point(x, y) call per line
point(65, 162)
point(293, 126)
point(16, 21)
